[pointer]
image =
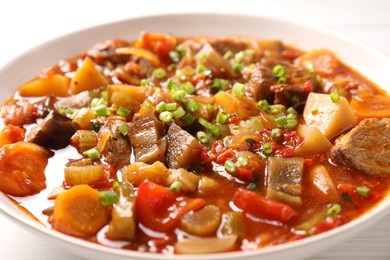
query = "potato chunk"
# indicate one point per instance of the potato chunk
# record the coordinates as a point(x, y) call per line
point(331, 118)
point(87, 77)
point(313, 141)
point(56, 85)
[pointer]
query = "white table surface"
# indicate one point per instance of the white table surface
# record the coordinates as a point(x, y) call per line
point(24, 24)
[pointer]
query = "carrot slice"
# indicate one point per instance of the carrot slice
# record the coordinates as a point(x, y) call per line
point(78, 212)
point(369, 105)
point(325, 62)
point(22, 167)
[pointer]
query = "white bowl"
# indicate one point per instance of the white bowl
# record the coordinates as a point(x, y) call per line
point(364, 59)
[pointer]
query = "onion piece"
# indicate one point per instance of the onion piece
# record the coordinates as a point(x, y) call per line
point(205, 245)
point(139, 52)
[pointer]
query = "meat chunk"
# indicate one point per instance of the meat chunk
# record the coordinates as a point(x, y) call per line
point(117, 147)
point(365, 148)
point(105, 51)
point(147, 138)
point(54, 132)
point(263, 85)
point(223, 45)
point(79, 100)
point(183, 149)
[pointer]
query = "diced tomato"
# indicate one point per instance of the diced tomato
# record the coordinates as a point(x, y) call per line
point(307, 87)
point(11, 134)
point(286, 152)
point(234, 120)
point(245, 173)
point(222, 157)
point(161, 209)
point(203, 154)
point(328, 224)
point(261, 207)
point(160, 44)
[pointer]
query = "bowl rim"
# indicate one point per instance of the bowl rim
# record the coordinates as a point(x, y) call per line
point(369, 218)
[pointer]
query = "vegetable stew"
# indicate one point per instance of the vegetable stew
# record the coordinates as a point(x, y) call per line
point(194, 145)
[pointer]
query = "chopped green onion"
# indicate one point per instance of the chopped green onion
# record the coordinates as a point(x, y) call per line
point(188, 87)
point(250, 52)
point(178, 94)
point(159, 73)
point(193, 106)
point(122, 111)
point(295, 99)
point(243, 161)
point(275, 110)
point(145, 82)
point(170, 106)
point(239, 57)
point(262, 105)
point(309, 66)
point(334, 96)
point(267, 148)
point(178, 112)
point(291, 110)
point(219, 84)
point(275, 133)
point(221, 118)
point(108, 198)
point(282, 80)
point(251, 186)
point(92, 154)
point(228, 55)
point(238, 90)
point(174, 56)
point(202, 137)
point(210, 108)
point(189, 119)
point(161, 107)
point(201, 68)
point(230, 166)
point(333, 210)
point(251, 66)
point(171, 67)
point(201, 56)
point(314, 111)
point(291, 123)
point(123, 129)
point(237, 67)
point(176, 186)
point(214, 130)
point(181, 50)
point(101, 110)
point(281, 121)
point(166, 116)
point(104, 94)
point(279, 71)
point(363, 191)
point(204, 123)
point(172, 85)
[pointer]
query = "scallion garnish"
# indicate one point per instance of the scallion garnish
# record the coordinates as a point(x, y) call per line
point(166, 117)
point(161, 107)
point(363, 191)
point(122, 111)
point(193, 106)
point(214, 130)
point(202, 137)
point(188, 87)
point(251, 186)
point(176, 186)
point(92, 154)
point(281, 121)
point(108, 198)
point(178, 94)
point(221, 118)
point(238, 90)
point(262, 105)
point(334, 96)
point(228, 55)
point(267, 148)
point(230, 166)
point(189, 119)
point(243, 161)
point(334, 210)
point(178, 112)
point(275, 133)
point(101, 110)
point(170, 106)
point(123, 129)
point(159, 73)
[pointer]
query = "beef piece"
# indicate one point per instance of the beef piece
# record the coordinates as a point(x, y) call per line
point(264, 85)
point(54, 132)
point(105, 52)
point(147, 137)
point(117, 150)
point(223, 45)
point(365, 148)
point(183, 149)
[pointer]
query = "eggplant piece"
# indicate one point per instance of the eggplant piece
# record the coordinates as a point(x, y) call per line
point(183, 149)
point(147, 137)
point(284, 179)
point(54, 132)
point(112, 143)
